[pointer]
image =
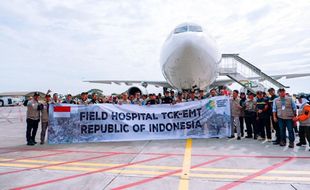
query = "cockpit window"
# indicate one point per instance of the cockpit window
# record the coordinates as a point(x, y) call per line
point(194, 28)
point(180, 29)
point(188, 28)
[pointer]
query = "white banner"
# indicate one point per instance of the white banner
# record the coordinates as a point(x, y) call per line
point(108, 122)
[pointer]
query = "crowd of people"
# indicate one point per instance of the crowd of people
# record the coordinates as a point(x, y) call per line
point(253, 116)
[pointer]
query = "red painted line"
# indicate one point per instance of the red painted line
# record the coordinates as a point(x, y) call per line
point(40, 156)
point(87, 173)
point(179, 154)
point(61, 163)
point(28, 149)
point(165, 175)
point(34, 149)
point(158, 154)
point(254, 175)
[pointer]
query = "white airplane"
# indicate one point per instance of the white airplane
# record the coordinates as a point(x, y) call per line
point(189, 59)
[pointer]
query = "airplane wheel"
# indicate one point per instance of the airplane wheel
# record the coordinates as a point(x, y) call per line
point(1, 103)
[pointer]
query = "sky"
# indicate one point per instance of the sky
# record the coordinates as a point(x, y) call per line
point(56, 44)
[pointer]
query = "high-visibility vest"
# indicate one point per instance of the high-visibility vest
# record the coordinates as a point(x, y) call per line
point(304, 116)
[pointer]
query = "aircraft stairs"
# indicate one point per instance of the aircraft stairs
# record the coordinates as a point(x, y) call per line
point(244, 73)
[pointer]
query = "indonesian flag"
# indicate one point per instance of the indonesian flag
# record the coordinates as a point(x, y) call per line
point(62, 111)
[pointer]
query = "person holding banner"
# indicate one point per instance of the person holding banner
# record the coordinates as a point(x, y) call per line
point(201, 95)
point(192, 96)
point(212, 93)
point(145, 98)
point(94, 99)
point(83, 100)
point(172, 95)
point(167, 99)
point(138, 100)
point(44, 117)
point(68, 100)
point(152, 100)
point(158, 98)
point(235, 114)
point(124, 99)
point(179, 98)
point(55, 99)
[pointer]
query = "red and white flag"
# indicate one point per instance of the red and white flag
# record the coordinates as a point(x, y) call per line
point(62, 111)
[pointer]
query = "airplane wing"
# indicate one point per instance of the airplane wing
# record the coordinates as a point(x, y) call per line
point(221, 82)
point(290, 76)
point(131, 82)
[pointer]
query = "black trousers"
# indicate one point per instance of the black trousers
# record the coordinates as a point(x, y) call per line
point(304, 132)
point(263, 126)
point(241, 120)
point(32, 128)
point(250, 123)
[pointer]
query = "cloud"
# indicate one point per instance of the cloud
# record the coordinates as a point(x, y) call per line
point(65, 42)
point(258, 14)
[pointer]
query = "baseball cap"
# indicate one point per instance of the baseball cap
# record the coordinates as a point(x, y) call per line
point(36, 94)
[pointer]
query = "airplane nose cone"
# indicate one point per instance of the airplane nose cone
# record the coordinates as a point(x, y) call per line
point(189, 45)
point(189, 60)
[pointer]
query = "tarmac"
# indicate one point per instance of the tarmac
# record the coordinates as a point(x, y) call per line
point(195, 164)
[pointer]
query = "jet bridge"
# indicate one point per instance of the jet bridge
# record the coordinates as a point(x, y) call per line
point(246, 74)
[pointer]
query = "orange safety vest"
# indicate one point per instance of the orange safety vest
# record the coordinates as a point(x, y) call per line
point(305, 113)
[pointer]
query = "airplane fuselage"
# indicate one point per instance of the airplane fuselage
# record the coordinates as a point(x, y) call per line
point(189, 58)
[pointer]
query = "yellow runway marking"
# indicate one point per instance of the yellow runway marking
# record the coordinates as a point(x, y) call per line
point(222, 170)
point(154, 173)
point(184, 181)
point(97, 164)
